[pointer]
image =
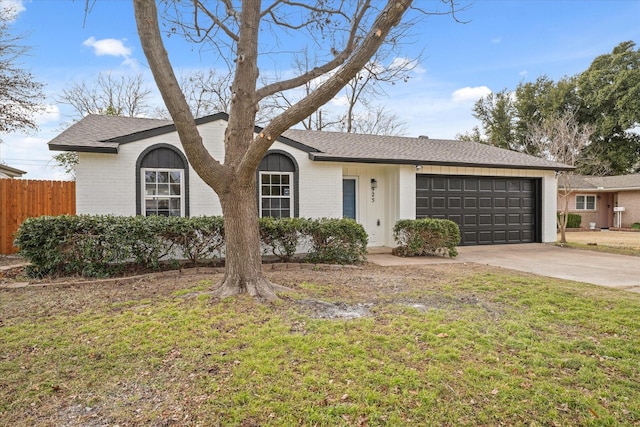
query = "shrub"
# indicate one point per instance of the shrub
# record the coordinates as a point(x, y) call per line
point(426, 236)
point(197, 238)
point(283, 236)
point(573, 220)
point(341, 241)
point(635, 226)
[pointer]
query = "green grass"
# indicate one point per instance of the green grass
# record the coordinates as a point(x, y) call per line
point(484, 349)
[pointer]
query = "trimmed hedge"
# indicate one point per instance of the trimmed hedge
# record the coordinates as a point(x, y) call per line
point(573, 220)
point(427, 236)
point(104, 245)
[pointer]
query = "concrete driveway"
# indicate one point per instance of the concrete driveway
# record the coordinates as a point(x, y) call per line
point(618, 271)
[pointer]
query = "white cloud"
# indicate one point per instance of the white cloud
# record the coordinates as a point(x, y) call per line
point(51, 114)
point(13, 8)
point(470, 94)
point(108, 47)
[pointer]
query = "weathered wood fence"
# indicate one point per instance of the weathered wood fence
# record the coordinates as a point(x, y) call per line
point(23, 198)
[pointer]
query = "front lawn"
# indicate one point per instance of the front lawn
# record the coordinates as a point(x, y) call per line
point(423, 345)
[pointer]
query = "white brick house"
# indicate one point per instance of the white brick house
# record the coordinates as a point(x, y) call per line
point(134, 166)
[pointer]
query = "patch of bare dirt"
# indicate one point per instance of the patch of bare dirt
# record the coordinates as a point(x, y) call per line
point(341, 294)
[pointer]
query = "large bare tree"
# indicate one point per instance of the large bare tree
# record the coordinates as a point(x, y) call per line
point(561, 138)
point(354, 30)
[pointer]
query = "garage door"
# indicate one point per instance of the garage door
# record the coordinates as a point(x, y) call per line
point(488, 210)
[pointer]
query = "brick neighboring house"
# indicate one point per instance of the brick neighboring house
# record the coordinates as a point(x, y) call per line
point(595, 197)
point(136, 166)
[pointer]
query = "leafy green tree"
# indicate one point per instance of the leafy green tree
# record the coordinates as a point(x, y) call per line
point(609, 91)
point(497, 113)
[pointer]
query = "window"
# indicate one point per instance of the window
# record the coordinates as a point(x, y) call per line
point(162, 182)
point(585, 202)
point(276, 197)
point(278, 182)
point(163, 192)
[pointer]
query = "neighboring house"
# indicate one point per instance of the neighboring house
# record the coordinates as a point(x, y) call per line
point(598, 198)
point(9, 172)
point(134, 166)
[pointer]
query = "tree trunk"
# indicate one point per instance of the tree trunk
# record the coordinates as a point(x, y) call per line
point(243, 258)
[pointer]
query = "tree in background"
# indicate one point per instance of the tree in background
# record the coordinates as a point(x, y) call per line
point(349, 32)
point(563, 139)
point(20, 94)
point(609, 91)
point(606, 96)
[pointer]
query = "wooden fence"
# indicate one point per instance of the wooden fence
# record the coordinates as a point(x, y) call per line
point(22, 198)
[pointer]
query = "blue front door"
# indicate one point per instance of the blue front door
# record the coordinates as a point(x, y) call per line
point(349, 198)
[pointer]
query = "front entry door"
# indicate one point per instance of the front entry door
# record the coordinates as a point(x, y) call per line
point(349, 198)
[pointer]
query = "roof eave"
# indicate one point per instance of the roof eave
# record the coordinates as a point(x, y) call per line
point(83, 149)
point(414, 162)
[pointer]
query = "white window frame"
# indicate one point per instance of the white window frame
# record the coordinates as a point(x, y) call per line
point(145, 196)
point(262, 197)
point(585, 202)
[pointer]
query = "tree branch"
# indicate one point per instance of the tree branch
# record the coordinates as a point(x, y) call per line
point(389, 17)
point(209, 169)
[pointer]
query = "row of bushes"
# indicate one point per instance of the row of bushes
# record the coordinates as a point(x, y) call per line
point(103, 245)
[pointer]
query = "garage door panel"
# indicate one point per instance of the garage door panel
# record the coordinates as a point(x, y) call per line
point(488, 210)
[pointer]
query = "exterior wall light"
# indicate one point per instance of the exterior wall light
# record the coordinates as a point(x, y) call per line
point(374, 184)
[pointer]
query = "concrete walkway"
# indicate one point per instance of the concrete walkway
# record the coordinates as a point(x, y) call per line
point(617, 271)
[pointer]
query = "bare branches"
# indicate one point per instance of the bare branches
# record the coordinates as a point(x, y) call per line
point(122, 96)
point(339, 58)
point(19, 92)
point(389, 17)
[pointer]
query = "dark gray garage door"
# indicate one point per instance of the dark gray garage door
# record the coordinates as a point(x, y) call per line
point(489, 210)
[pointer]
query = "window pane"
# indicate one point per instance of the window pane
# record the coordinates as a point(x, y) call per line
point(275, 191)
point(266, 178)
point(591, 202)
point(265, 190)
point(163, 176)
point(579, 202)
point(275, 203)
point(163, 213)
point(285, 179)
point(175, 189)
point(174, 203)
point(266, 212)
point(286, 203)
point(275, 179)
point(175, 177)
point(163, 189)
point(163, 203)
point(150, 189)
point(266, 203)
point(285, 213)
point(151, 204)
point(149, 176)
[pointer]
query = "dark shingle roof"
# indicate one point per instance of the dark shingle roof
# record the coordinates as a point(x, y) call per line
point(618, 182)
point(338, 146)
point(96, 133)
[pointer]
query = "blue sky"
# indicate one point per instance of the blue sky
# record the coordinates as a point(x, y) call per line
point(501, 44)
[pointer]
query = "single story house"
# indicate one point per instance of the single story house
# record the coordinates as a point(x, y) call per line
point(136, 166)
point(604, 201)
point(9, 172)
